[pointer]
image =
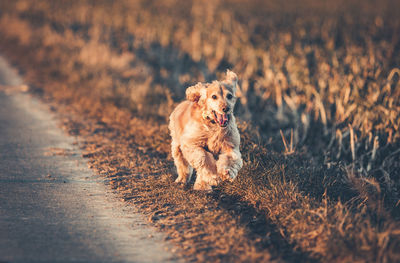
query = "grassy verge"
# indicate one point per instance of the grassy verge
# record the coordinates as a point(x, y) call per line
point(105, 66)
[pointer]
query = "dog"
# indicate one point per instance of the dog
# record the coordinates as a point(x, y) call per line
point(204, 134)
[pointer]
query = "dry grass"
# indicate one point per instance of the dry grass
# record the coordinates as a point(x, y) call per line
point(319, 82)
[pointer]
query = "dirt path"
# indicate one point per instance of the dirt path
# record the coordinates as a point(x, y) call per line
point(52, 207)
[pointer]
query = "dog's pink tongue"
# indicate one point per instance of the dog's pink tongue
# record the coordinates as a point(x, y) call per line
point(222, 119)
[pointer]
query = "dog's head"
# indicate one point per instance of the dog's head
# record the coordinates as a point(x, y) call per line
point(217, 99)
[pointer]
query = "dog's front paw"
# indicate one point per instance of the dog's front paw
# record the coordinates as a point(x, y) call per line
point(202, 186)
point(227, 174)
point(224, 175)
point(180, 180)
point(212, 180)
point(181, 183)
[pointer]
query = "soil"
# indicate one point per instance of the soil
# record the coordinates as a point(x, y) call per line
point(53, 207)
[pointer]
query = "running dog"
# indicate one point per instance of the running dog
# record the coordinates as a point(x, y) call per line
point(204, 134)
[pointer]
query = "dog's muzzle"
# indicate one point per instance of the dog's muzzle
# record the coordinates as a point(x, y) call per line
point(221, 119)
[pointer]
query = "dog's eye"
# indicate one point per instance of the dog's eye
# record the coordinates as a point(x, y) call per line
point(229, 96)
point(214, 97)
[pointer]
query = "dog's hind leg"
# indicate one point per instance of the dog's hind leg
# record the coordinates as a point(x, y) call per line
point(183, 168)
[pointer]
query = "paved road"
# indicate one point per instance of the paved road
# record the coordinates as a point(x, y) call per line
point(52, 209)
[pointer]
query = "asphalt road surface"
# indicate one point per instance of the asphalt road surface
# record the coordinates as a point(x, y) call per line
point(52, 208)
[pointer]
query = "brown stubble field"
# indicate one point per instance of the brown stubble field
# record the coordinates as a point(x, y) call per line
point(319, 115)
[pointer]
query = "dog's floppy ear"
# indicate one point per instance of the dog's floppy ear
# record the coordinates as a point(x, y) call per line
point(231, 79)
point(194, 93)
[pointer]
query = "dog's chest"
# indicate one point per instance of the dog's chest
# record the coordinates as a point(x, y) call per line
point(215, 142)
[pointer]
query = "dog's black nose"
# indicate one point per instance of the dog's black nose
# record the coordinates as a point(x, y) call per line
point(225, 109)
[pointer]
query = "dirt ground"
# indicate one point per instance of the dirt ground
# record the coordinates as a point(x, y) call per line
point(53, 208)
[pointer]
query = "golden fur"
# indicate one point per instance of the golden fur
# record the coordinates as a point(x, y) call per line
point(204, 134)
